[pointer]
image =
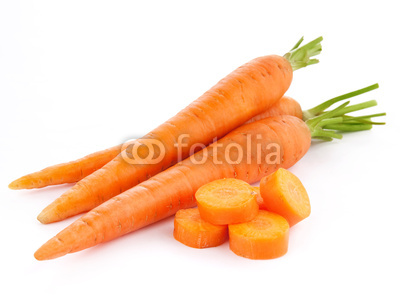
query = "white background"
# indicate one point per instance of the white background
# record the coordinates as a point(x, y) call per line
point(80, 76)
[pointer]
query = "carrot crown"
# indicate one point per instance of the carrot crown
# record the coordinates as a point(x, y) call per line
point(327, 124)
point(301, 57)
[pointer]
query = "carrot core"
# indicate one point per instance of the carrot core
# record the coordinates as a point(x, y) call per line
point(227, 201)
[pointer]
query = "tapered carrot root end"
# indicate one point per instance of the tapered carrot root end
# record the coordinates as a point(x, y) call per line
point(14, 185)
point(47, 216)
point(67, 205)
point(20, 184)
point(77, 236)
point(31, 181)
point(52, 249)
point(54, 212)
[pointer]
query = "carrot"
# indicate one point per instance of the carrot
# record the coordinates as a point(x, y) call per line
point(265, 237)
point(246, 92)
point(167, 192)
point(193, 231)
point(227, 201)
point(283, 193)
point(72, 172)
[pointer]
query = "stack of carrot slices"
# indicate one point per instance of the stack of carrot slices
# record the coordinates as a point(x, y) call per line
point(256, 220)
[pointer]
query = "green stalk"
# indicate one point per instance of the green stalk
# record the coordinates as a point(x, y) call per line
point(297, 44)
point(322, 133)
point(300, 57)
point(325, 122)
point(326, 125)
point(355, 107)
point(349, 127)
point(365, 119)
point(321, 107)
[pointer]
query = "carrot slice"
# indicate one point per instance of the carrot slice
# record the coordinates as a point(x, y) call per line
point(265, 237)
point(284, 194)
point(193, 231)
point(227, 201)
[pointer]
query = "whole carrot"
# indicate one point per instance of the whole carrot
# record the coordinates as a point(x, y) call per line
point(275, 142)
point(76, 170)
point(246, 92)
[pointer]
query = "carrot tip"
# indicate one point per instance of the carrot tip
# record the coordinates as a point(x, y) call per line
point(39, 256)
point(15, 185)
point(50, 250)
point(45, 217)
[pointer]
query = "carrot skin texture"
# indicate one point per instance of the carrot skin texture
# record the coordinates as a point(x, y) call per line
point(246, 92)
point(283, 193)
point(265, 237)
point(192, 231)
point(164, 194)
point(285, 106)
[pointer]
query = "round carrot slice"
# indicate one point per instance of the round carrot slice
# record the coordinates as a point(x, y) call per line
point(283, 193)
point(265, 237)
point(192, 231)
point(227, 201)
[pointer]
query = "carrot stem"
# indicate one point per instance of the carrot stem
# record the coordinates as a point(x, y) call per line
point(321, 107)
point(325, 125)
point(301, 57)
point(313, 122)
point(365, 119)
point(297, 44)
point(349, 127)
point(318, 133)
point(335, 120)
point(355, 107)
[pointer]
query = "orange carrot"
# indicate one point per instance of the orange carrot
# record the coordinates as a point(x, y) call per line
point(265, 237)
point(167, 192)
point(227, 201)
point(74, 171)
point(193, 231)
point(283, 193)
point(246, 92)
